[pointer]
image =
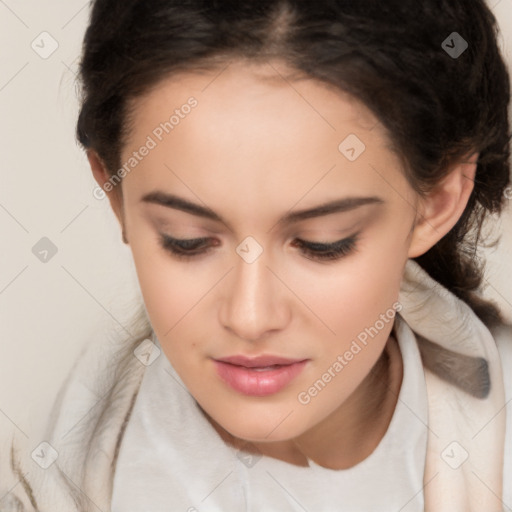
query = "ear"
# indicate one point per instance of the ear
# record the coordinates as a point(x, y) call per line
point(440, 210)
point(114, 192)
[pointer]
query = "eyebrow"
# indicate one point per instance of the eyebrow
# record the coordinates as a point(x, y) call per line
point(337, 206)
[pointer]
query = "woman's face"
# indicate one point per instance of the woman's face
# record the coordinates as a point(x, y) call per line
point(246, 163)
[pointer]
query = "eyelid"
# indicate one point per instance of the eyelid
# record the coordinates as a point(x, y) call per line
point(320, 252)
point(314, 243)
point(323, 245)
point(325, 252)
point(185, 241)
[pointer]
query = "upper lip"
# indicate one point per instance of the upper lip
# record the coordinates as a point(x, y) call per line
point(260, 361)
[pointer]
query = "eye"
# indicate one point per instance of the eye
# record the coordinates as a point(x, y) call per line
point(184, 248)
point(191, 248)
point(328, 251)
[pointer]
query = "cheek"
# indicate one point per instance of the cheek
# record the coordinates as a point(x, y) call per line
point(173, 302)
point(356, 302)
point(169, 292)
point(350, 295)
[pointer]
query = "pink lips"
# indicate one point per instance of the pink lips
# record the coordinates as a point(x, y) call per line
point(259, 376)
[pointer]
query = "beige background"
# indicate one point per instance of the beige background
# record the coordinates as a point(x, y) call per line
point(49, 311)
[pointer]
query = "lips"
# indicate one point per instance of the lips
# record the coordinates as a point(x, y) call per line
point(260, 361)
point(259, 376)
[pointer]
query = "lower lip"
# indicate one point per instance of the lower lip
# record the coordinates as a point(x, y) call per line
point(258, 383)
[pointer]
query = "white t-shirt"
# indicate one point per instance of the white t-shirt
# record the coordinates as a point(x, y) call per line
point(172, 459)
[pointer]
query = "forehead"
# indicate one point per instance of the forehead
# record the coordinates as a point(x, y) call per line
point(247, 91)
point(258, 128)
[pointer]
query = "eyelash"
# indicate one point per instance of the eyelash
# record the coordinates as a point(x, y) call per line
point(186, 249)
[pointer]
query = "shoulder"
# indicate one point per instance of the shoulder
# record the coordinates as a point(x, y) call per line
point(502, 334)
point(83, 431)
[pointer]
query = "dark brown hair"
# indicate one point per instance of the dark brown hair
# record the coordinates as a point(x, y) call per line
point(391, 55)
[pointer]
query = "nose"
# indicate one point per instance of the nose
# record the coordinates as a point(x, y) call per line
point(254, 301)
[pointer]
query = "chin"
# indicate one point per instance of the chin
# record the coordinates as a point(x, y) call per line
point(259, 431)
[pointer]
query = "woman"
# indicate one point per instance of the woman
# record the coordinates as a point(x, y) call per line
point(302, 186)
